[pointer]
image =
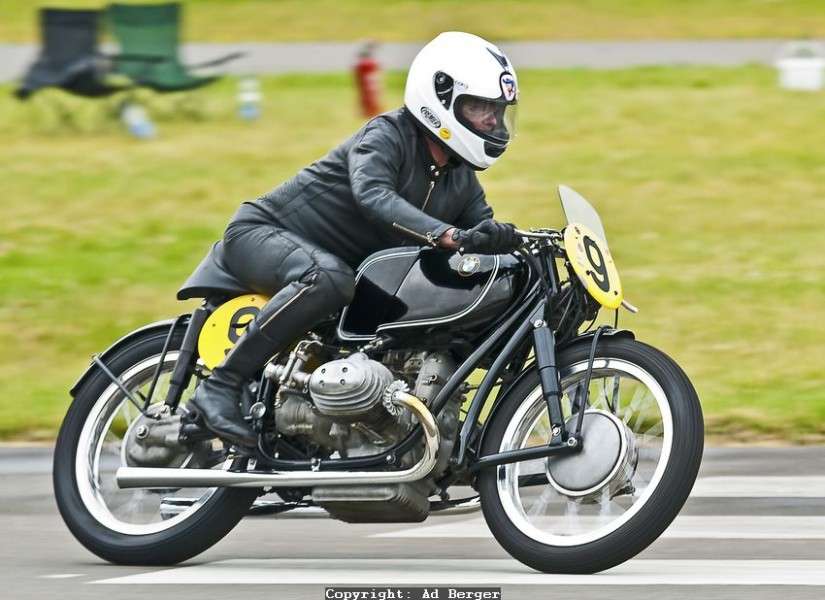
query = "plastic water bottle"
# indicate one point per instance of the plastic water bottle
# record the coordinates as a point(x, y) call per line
point(137, 121)
point(249, 99)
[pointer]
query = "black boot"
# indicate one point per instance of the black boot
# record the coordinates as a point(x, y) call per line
point(218, 398)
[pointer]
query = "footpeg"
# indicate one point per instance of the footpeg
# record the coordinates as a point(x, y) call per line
point(192, 428)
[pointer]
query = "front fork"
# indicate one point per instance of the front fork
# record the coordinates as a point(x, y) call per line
point(561, 441)
point(545, 344)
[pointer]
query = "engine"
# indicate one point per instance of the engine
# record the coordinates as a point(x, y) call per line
point(352, 390)
point(343, 406)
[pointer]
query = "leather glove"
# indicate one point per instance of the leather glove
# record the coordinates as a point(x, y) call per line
point(488, 237)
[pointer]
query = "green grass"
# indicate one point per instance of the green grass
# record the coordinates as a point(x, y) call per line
point(392, 20)
point(710, 183)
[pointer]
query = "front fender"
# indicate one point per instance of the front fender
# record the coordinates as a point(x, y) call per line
point(586, 339)
point(164, 325)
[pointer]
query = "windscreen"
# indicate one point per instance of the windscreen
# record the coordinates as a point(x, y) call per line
point(578, 210)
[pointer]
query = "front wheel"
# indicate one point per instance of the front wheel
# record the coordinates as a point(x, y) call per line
point(642, 445)
point(104, 430)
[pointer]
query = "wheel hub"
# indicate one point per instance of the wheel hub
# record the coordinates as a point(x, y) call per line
point(605, 465)
point(152, 440)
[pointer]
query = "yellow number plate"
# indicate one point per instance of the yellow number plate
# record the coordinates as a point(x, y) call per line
point(592, 262)
point(224, 326)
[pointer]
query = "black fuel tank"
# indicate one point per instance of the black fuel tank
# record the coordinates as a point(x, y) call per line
point(404, 288)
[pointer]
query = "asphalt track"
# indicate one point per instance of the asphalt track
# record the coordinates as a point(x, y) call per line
point(753, 528)
point(321, 57)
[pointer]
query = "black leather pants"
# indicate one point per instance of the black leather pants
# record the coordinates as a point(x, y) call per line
point(306, 282)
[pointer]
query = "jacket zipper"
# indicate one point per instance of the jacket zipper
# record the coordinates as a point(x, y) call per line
point(429, 238)
point(429, 193)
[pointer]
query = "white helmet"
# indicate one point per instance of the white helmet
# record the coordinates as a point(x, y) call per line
point(463, 90)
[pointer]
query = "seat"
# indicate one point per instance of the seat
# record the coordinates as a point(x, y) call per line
point(149, 35)
point(69, 58)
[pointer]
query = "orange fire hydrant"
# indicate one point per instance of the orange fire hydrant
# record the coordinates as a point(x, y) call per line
point(368, 81)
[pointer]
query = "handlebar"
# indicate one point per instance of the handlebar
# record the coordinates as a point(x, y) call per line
point(479, 238)
point(546, 234)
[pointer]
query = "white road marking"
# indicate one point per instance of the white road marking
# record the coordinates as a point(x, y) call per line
point(705, 487)
point(684, 527)
point(759, 487)
point(431, 572)
point(811, 486)
point(747, 528)
point(481, 572)
point(62, 576)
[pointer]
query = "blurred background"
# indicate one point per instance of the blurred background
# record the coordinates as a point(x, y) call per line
point(708, 174)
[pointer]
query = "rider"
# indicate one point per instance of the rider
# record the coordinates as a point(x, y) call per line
point(406, 177)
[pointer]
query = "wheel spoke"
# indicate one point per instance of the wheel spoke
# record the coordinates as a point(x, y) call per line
point(600, 504)
point(111, 434)
point(571, 523)
point(640, 483)
point(103, 432)
point(539, 507)
point(565, 516)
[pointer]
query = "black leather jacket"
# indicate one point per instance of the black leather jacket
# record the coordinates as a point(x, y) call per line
point(377, 190)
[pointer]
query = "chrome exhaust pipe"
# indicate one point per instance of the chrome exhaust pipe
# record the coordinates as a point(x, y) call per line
point(147, 477)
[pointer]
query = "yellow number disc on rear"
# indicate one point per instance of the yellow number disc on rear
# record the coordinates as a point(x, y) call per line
point(224, 326)
point(592, 262)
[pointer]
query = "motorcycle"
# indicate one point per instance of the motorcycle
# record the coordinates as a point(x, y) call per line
point(482, 376)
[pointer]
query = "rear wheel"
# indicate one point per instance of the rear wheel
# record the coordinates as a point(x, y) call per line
point(102, 431)
point(642, 446)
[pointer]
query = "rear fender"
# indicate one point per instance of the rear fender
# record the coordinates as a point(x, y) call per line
point(158, 326)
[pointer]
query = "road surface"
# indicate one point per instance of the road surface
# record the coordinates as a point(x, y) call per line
point(754, 527)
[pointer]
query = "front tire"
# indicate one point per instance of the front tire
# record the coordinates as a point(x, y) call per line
point(102, 431)
point(591, 511)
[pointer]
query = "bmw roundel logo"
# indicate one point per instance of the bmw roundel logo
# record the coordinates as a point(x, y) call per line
point(468, 265)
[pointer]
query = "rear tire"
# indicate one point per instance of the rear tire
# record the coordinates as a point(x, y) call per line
point(136, 526)
point(585, 513)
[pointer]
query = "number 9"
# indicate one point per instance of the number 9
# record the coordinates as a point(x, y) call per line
point(597, 263)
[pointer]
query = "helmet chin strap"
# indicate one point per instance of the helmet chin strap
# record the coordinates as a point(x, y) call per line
point(438, 151)
point(453, 159)
point(430, 137)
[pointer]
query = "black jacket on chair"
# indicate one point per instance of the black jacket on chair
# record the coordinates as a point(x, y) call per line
point(69, 58)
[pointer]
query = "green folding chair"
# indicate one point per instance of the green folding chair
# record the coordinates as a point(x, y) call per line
point(149, 34)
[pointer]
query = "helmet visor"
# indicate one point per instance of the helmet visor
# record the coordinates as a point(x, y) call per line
point(493, 120)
